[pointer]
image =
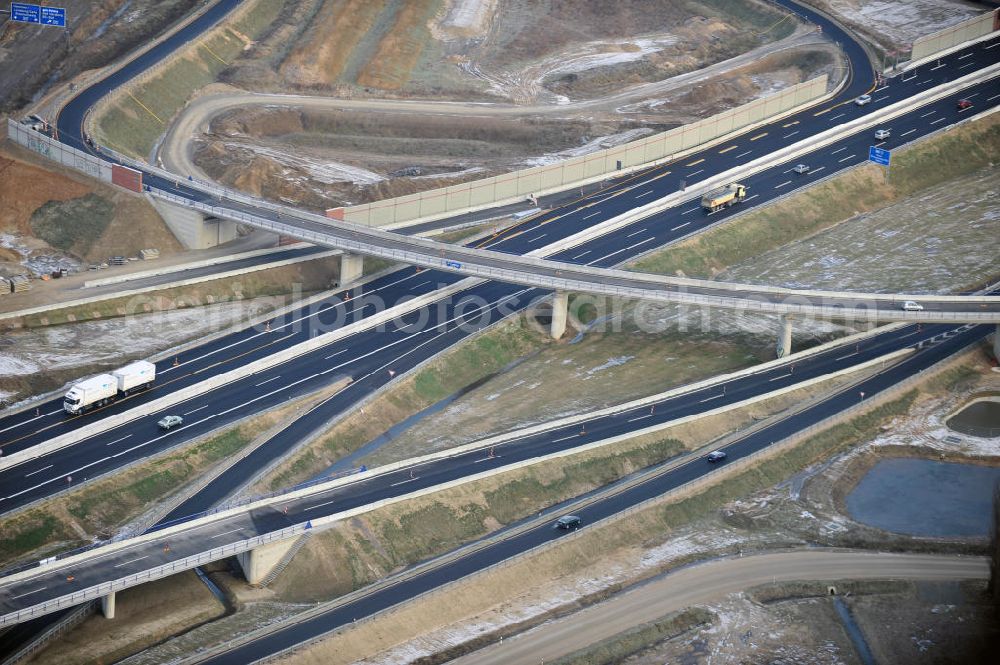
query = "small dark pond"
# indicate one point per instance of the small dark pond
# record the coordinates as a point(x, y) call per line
point(925, 498)
point(977, 419)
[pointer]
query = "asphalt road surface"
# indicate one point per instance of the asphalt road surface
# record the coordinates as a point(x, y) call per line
point(711, 581)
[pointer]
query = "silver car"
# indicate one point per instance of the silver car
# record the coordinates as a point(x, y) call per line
point(863, 99)
point(168, 422)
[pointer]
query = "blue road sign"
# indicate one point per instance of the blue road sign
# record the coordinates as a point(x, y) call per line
point(453, 264)
point(54, 16)
point(25, 13)
point(879, 156)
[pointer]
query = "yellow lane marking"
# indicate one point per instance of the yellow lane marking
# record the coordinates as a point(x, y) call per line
point(696, 162)
point(732, 147)
point(789, 124)
point(145, 107)
point(759, 136)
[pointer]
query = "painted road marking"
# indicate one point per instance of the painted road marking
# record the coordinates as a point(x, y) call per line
point(906, 133)
point(813, 172)
point(751, 197)
point(125, 437)
point(759, 136)
point(789, 124)
point(537, 238)
point(972, 95)
point(962, 57)
point(635, 233)
point(880, 144)
point(990, 99)
point(696, 162)
point(592, 214)
point(743, 154)
point(125, 563)
point(938, 67)
point(39, 471)
point(878, 99)
point(787, 182)
point(487, 459)
point(732, 147)
point(188, 413)
point(968, 64)
point(578, 256)
point(691, 210)
point(336, 354)
point(566, 438)
point(928, 113)
point(225, 533)
point(783, 376)
point(403, 482)
point(934, 122)
point(708, 399)
point(417, 286)
point(839, 115)
point(319, 505)
point(30, 592)
point(839, 150)
point(788, 136)
point(639, 196)
point(840, 161)
point(648, 415)
point(847, 356)
point(926, 81)
point(987, 48)
point(689, 175)
point(681, 226)
point(273, 378)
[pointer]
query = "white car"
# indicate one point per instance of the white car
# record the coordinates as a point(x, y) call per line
point(863, 99)
point(801, 168)
point(910, 306)
point(881, 134)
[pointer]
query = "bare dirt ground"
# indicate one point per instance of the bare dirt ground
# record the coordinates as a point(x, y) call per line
point(937, 241)
point(579, 77)
point(36, 197)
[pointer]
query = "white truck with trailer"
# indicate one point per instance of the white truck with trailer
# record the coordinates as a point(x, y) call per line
point(104, 389)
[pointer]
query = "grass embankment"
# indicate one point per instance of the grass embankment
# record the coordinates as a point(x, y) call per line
point(97, 509)
point(139, 114)
point(451, 372)
point(862, 190)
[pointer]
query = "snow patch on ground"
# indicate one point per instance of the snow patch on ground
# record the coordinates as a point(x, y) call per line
point(600, 143)
point(320, 170)
point(904, 21)
point(607, 54)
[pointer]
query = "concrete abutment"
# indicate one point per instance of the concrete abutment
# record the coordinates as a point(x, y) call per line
point(193, 229)
point(259, 561)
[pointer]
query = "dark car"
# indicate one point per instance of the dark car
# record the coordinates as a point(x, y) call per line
point(568, 522)
point(964, 104)
point(716, 456)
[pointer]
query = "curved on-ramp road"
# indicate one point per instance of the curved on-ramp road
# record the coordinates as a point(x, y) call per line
point(710, 581)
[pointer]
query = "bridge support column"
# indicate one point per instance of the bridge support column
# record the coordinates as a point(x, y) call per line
point(193, 229)
point(996, 343)
point(785, 336)
point(351, 267)
point(108, 605)
point(259, 561)
point(560, 310)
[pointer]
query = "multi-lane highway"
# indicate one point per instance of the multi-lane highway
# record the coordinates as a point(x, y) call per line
point(369, 356)
point(174, 544)
point(368, 362)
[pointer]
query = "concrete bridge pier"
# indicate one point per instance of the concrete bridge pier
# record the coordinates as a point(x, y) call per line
point(193, 229)
point(351, 267)
point(785, 336)
point(259, 561)
point(560, 310)
point(996, 343)
point(108, 605)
